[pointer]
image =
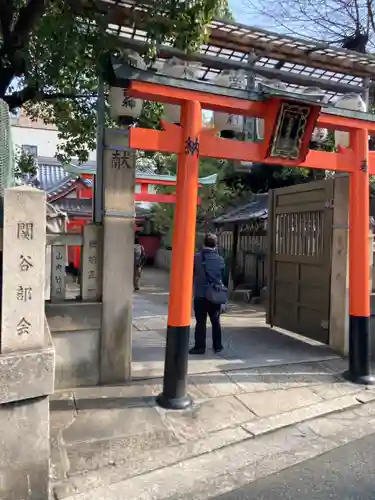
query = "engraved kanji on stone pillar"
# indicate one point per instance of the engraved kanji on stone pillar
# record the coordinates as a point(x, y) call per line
point(24, 240)
point(91, 277)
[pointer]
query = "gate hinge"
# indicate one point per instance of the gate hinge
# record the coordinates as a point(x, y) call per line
point(324, 324)
point(329, 203)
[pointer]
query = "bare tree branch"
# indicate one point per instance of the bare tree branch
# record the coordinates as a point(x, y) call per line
point(347, 23)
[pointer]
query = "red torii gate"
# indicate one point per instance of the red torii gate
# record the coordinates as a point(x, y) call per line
point(190, 141)
point(144, 181)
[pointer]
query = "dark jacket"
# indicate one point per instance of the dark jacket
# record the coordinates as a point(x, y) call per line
point(214, 265)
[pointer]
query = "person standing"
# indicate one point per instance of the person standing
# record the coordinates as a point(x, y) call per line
point(139, 261)
point(208, 272)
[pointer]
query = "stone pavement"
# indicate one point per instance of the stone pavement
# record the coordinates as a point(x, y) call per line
point(248, 341)
point(270, 400)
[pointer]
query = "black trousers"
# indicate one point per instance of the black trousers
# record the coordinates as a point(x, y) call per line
point(202, 309)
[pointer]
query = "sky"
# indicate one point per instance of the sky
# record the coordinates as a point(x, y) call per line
point(243, 15)
point(239, 10)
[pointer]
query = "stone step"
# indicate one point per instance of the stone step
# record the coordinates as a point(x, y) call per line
point(188, 469)
point(241, 295)
point(100, 464)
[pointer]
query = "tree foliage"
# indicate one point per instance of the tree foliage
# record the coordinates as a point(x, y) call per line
point(214, 198)
point(25, 165)
point(231, 189)
point(50, 52)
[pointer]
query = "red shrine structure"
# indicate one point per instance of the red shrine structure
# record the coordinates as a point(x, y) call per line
point(70, 189)
point(289, 116)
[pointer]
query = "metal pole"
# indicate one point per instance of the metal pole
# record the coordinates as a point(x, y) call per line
point(359, 263)
point(174, 394)
point(249, 122)
point(366, 91)
point(98, 185)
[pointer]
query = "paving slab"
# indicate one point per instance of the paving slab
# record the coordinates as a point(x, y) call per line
point(149, 460)
point(208, 416)
point(114, 442)
point(93, 449)
point(244, 347)
point(266, 404)
point(96, 454)
point(180, 479)
point(281, 377)
point(365, 396)
point(334, 390)
point(248, 341)
point(135, 394)
point(274, 422)
point(366, 410)
point(115, 423)
point(326, 426)
point(212, 385)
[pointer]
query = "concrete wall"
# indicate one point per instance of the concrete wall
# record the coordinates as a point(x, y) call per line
point(163, 259)
point(37, 133)
point(75, 330)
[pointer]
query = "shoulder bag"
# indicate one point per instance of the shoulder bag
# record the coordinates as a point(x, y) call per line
point(215, 293)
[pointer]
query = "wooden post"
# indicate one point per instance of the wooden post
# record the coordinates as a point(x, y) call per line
point(359, 265)
point(233, 262)
point(271, 237)
point(180, 299)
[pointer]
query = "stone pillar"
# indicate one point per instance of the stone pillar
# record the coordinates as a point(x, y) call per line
point(339, 306)
point(91, 266)
point(26, 355)
point(47, 281)
point(339, 319)
point(59, 258)
point(118, 258)
point(22, 319)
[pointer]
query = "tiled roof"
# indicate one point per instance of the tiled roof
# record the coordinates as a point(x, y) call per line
point(74, 206)
point(52, 177)
point(300, 62)
point(55, 180)
point(256, 209)
point(83, 207)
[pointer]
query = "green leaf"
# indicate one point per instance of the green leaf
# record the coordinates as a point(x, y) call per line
point(50, 54)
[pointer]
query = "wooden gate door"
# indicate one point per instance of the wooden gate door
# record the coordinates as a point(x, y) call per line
point(300, 222)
